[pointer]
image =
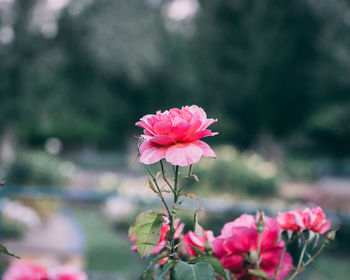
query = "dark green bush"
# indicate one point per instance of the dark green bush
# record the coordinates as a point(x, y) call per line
point(12, 229)
point(298, 169)
point(38, 168)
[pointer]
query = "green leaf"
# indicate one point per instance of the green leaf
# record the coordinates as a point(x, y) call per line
point(6, 251)
point(152, 263)
point(214, 262)
point(151, 186)
point(259, 273)
point(197, 228)
point(165, 270)
point(199, 271)
point(146, 229)
point(198, 251)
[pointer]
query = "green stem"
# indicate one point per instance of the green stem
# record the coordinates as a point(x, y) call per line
point(154, 179)
point(282, 256)
point(164, 177)
point(316, 254)
point(311, 259)
point(280, 261)
point(300, 261)
point(176, 183)
point(257, 264)
point(172, 219)
point(189, 171)
point(259, 244)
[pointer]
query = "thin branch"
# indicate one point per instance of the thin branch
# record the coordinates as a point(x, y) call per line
point(300, 261)
point(280, 261)
point(172, 218)
point(164, 177)
point(316, 254)
point(189, 172)
point(160, 192)
point(176, 183)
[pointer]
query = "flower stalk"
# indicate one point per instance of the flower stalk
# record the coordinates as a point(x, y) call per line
point(300, 262)
point(171, 213)
point(280, 261)
point(154, 179)
point(164, 177)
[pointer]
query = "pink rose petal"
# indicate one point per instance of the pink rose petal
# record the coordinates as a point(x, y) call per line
point(151, 153)
point(183, 154)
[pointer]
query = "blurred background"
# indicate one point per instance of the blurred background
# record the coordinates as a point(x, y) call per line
point(75, 76)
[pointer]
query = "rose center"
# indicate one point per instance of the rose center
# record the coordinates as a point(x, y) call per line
point(251, 257)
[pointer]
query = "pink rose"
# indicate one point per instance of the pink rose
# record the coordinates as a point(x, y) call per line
point(237, 247)
point(292, 220)
point(309, 219)
point(174, 135)
point(67, 273)
point(21, 270)
point(162, 240)
point(315, 220)
point(197, 241)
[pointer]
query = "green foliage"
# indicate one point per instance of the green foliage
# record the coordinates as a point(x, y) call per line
point(300, 169)
point(37, 168)
point(165, 269)
point(11, 229)
point(273, 67)
point(152, 263)
point(214, 262)
point(196, 226)
point(259, 273)
point(246, 174)
point(199, 271)
point(147, 229)
point(331, 126)
point(198, 251)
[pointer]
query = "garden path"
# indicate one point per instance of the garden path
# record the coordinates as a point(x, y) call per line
point(55, 242)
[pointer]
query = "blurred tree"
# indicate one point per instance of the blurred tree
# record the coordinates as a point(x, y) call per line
point(268, 68)
point(17, 50)
point(261, 72)
point(329, 123)
point(86, 70)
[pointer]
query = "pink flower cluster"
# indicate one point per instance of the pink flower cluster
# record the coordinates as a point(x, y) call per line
point(237, 245)
point(21, 270)
point(237, 248)
point(309, 219)
point(174, 135)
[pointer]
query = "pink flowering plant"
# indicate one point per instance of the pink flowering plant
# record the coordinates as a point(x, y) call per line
point(248, 248)
point(23, 270)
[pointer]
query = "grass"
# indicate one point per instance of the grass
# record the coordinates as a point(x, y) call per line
point(107, 251)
